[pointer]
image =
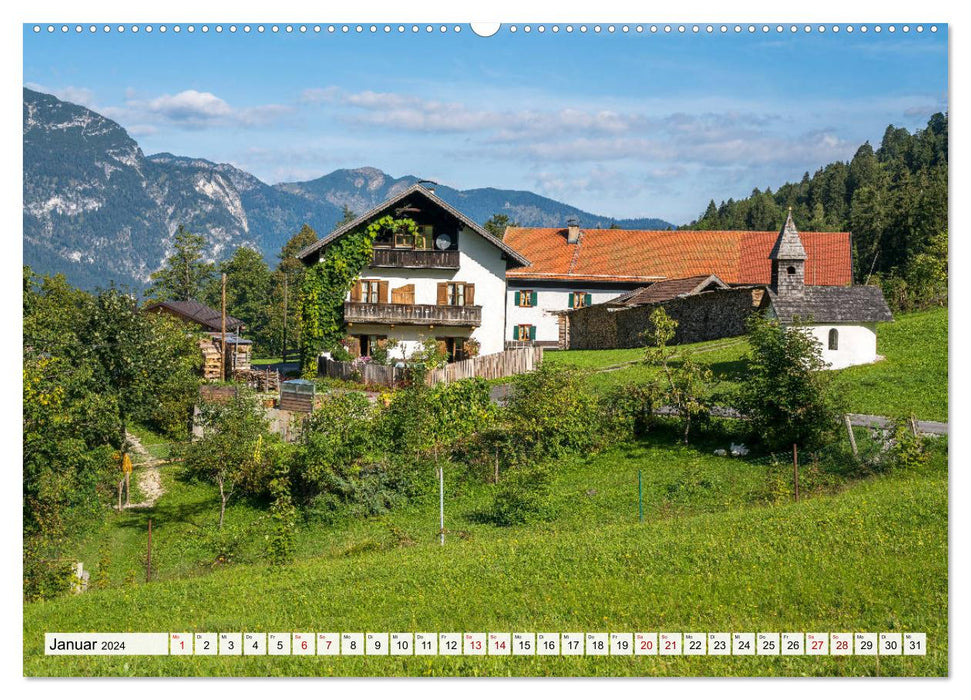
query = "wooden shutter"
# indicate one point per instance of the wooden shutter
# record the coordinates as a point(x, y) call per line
point(532, 298)
point(587, 299)
point(570, 304)
point(383, 291)
point(443, 293)
point(518, 298)
point(356, 291)
point(470, 295)
point(403, 295)
point(532, 332)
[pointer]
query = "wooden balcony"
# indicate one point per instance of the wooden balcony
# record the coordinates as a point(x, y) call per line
point(413, 314)
point(416, 259)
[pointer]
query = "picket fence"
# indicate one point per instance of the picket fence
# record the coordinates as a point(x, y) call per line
point(495, 366)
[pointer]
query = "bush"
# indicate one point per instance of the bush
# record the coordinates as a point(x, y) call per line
point(907, 451)
point(786, 394)
point(523, 496)
point(552, 413)
point(629, 409)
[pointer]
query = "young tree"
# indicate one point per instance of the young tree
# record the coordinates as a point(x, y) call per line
point(248, 283)
point(184, 274)
point(138, 359)
point(229, 453)
point(686, 382)
point(786, 394)
point(497, 225)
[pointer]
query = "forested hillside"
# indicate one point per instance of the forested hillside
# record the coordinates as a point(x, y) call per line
point(893, 200)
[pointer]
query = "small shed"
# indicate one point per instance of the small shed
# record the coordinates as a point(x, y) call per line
point(297, 395)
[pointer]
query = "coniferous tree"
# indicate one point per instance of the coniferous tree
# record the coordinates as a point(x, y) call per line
point(184, 274)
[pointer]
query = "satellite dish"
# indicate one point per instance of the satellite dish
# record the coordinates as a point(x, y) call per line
point(443, 242)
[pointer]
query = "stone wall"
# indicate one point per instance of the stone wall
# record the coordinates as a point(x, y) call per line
point(707, 316)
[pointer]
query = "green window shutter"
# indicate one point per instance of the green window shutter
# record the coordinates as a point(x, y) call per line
point(532, 332)
point(518, 299)
point(569, 304)
point(532, 298)
point(586, 299)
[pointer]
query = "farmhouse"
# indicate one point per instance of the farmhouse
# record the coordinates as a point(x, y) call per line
point(199, 316)
point(842, 319)
point(573, 268)
point(448, 283)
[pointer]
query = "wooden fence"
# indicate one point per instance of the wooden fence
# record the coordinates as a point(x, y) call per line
point(381, 375)
point(500, 364)
point(495, 366)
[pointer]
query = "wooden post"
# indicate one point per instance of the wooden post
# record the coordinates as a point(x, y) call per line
point(795, 470)
point(127, 489)
point(441, 504)
point(913, 426)
point(286, 318)
point(222, 349)
point(849, 432)
point(121, 485)
point(148, 561)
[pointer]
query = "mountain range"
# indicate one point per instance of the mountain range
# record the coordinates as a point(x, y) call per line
point(97, 209)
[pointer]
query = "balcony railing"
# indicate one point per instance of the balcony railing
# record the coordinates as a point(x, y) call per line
point(413, 314)
point(409, 258)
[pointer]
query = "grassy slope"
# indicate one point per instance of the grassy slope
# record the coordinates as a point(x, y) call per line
point(912, 378)
point(708, 558)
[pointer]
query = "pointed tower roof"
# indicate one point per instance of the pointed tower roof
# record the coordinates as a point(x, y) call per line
point(787, 245)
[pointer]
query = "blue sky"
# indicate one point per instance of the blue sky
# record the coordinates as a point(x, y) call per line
point(618, 124)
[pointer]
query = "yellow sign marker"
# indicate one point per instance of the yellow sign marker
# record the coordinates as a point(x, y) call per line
point(126, 463)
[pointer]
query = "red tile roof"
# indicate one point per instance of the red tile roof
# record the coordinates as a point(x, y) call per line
point(618, 255)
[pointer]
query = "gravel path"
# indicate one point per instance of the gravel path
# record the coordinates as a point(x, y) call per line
point(146, 472)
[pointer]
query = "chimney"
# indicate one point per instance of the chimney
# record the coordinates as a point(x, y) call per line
point(573, 230)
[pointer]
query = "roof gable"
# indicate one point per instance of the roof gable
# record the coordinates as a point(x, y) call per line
point(380, 209)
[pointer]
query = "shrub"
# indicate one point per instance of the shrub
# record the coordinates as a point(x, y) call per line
point(907, 451)
point(523, 496)
point(551, 412)
point(786, 394)
point(629, 409)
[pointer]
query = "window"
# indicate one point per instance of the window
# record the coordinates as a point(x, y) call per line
point(370, 291)
point(456, 294)
point(578, 300)
point(524, 331)
point(834, 339)
point(791, 270)
point(526, 298)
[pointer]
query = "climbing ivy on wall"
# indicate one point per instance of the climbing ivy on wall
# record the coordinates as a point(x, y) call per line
point(327, 283)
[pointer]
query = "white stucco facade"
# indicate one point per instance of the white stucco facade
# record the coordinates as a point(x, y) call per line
point(550, 300)
point(481, 264)
point(856, 344)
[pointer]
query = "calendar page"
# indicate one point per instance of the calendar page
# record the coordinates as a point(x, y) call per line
point(425, 348)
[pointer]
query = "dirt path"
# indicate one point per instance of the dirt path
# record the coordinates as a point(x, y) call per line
point(146, 472)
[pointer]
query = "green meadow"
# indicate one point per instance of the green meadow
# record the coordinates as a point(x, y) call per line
point(911, 379)
point(722, 547)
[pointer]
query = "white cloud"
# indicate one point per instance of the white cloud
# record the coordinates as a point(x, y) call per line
point(191, 109)
point(77, 95)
